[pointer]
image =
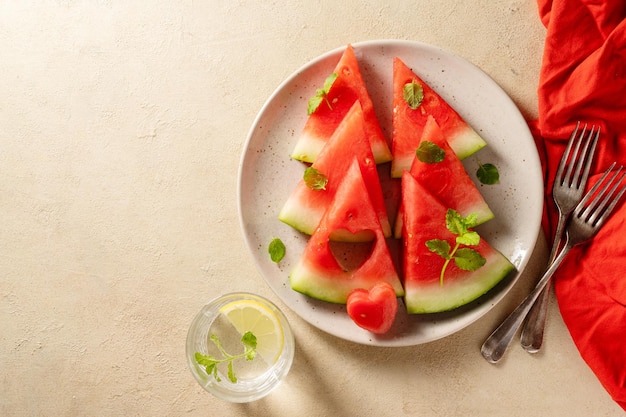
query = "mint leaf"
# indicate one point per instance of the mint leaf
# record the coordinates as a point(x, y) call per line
point(438, 246)
point(206, 360)
point(488, 174)
point(413, 94)
point(210, 364)
point(469, 238)
point(329, 81)
point(458, 224)
point(249, 340)
point(314, 179)
point(276, 250)
point(468, 259)
point(314, 103)
point(430, 153)
point(321, 95)
point(471, 220)
point(231, 373)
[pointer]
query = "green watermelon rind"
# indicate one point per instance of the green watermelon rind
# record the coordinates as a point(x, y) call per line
point(301, 217)
point(464, 144)
point(332, 287)
point(308, 148)
point(305, 219)
point(428, 298)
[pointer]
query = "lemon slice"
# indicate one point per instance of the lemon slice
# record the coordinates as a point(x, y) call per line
point(252, 316)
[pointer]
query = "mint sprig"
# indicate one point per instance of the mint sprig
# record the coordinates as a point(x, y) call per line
point(321, 95)
point(211, 362)
point(467, 259)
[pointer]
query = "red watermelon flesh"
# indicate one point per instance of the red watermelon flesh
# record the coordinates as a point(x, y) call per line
point(424, 219)
point(347, 88)
point(318, 274)
point(447, 180)
point(305, 207)
point(374, 309)
point(408, 124)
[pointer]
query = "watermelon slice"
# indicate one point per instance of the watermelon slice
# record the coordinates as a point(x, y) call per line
point(408, 124)
point(318, 274)
point(424, 219)
point(347, 88)
point(305, 207)
point(447, 180)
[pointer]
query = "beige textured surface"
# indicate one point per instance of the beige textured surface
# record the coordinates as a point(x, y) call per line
point(121, 129)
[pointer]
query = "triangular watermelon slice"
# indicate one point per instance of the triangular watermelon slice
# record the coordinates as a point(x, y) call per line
point(347, 88)
point(447, 180)
point(305, 207)
point(409, 123)
point(318, 273)
point(424, 219)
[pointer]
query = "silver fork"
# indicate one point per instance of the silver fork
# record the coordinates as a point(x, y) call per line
point(567, 191)
point(587, 218)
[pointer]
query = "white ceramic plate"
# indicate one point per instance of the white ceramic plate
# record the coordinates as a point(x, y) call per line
point(267, 175)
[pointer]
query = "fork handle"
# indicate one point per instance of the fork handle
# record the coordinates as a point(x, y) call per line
point(496, 344)
point(533, 329)
point(534, 326)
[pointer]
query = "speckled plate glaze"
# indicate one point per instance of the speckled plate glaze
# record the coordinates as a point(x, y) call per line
point(267, 175)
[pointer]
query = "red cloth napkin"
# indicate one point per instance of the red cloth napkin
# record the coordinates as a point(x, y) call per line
point(583, 77)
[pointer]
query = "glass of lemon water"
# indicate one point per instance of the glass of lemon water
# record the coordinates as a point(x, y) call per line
point(240, 347)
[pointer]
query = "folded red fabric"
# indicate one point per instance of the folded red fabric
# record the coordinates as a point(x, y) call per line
point(583, 78)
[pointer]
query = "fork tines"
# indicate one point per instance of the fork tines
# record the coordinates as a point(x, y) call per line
point(604, 199)
point(578, 160)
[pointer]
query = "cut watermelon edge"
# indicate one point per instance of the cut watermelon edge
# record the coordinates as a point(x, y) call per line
point(467, 142)
point(434, 298)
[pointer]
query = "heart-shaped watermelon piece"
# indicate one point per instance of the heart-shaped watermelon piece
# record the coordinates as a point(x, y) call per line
point(374, 309)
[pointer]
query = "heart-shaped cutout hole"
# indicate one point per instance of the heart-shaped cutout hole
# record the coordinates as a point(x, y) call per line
point(351, 255)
